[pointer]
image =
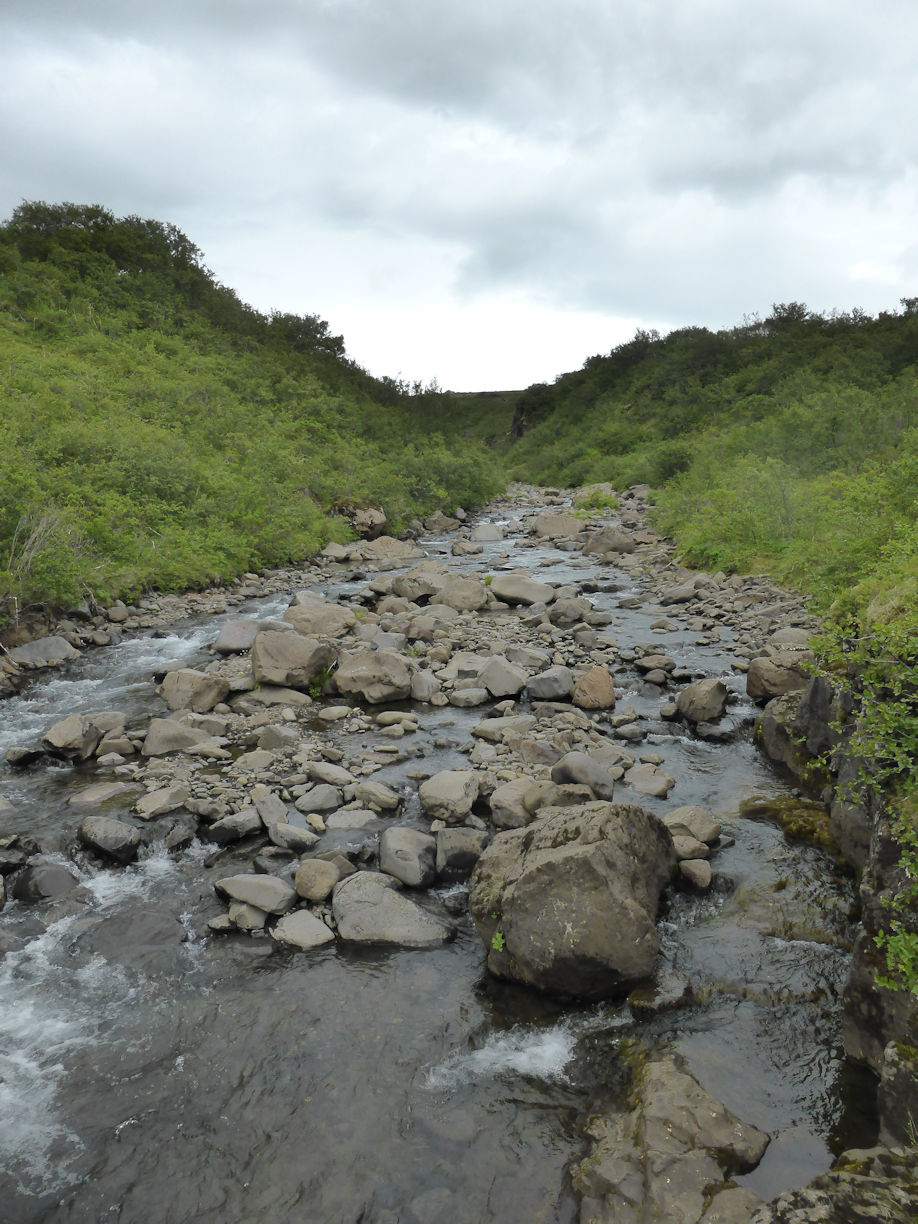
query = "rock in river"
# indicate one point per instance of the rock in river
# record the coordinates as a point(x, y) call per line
point(368, 908)
point(568, 904)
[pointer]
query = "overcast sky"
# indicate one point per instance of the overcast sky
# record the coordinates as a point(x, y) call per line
point(487, 192)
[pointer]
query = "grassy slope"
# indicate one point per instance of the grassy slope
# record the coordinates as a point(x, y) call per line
point(157, 432)
point(789, 444)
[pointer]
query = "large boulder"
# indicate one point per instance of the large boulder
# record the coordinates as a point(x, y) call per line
point(610, 540)
point(518, 588)
point(374, 675)
point(43, 652)
point(42, 880)
point(595, 690)
point(314, 617)
point(703, 701)
point(368, 908)
point(783, 672)
point(500, 678)
point(409, 855)
point(74, 737)
point(114, 839)
point(236, 636)
point(187, 689)
point(670, 1158)
point(289, 659)
point(568, 904)
point(449, 795)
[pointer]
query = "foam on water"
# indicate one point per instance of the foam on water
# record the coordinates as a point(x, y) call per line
point(48, 1009)
point(535, 1053)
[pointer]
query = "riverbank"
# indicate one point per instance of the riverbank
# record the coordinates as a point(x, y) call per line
point(499, 677)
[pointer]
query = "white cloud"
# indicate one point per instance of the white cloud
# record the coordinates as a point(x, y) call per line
point(537, 167)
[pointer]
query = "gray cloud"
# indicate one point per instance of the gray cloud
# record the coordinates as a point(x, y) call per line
point(663, 162)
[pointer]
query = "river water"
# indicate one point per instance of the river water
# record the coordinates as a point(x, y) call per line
point(149, 1072)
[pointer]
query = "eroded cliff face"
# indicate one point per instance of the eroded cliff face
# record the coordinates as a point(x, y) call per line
point(810, 733)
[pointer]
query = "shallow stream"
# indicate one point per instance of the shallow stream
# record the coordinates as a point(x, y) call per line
point(149, 1072)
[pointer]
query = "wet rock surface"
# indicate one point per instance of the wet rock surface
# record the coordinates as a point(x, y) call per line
point(357, 737)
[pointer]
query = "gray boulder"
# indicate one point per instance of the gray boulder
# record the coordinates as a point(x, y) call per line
point(569, 903)
point(43, 652)
point(554, 684)
point(610, 540)
point(113, 839)
point(314, 617)
point(670, 1158)
point(237, 636)
point(518, 588)
point(578, 767)
point(502, 679)
point(374, 675)
point(186, 689)
point(463, 594)
point(368, 908)
point(244, 823)
point(74, 738)
point(449, 795)
point(409, 855)
point(43, 881)
point(289, 659)
point(556, 526)
point(302, 929)
point(165, 735)
point(703, 701)
point(265, 892)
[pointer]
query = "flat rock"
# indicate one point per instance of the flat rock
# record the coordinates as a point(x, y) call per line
point(302, 929)
point(43, 652)
point(165, 735)
point(518, 588)
point(237, 636)
point(97, 794)
point(265, 892)
point(369, 909)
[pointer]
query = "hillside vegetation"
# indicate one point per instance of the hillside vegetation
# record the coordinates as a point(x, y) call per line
point(788, 444)
point(157, 432)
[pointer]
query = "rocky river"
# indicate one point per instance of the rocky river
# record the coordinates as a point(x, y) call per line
point(242, 975)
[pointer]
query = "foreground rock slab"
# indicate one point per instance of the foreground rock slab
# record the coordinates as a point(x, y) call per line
point(568, 904)
point(668, 1160)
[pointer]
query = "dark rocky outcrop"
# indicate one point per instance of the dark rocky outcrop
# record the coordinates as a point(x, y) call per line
point(569, 903)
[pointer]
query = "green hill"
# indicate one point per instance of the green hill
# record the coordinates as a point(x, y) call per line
point(159, 432)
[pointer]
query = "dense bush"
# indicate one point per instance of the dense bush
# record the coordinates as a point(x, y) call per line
point(158, 432)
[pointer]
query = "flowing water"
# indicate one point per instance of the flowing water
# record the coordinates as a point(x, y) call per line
point(151, 1073)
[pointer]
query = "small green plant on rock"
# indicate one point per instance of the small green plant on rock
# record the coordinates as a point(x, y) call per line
point(497, 941)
